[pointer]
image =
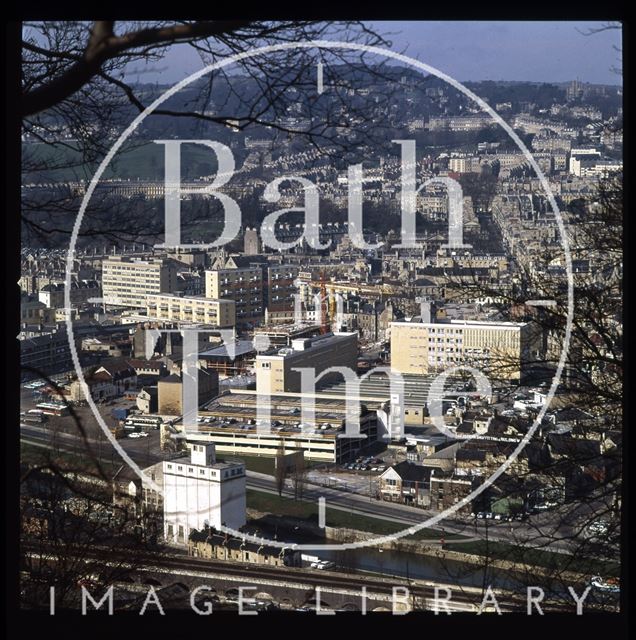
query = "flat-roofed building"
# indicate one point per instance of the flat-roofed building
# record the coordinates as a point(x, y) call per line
point(128, 281)
point(240, 280)
point(230, 422)
point(48, 352)
point(281, 335)
point(275, 372)
point(280, 288)
point(202, 492)
point(194, 309)
point(500, 349)
point(464, 164)
point(171, 391)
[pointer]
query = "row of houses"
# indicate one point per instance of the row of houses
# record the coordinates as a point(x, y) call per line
point(554, 467)
point(211, 545)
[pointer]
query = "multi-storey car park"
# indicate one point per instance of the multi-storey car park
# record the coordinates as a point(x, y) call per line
point(230, 422)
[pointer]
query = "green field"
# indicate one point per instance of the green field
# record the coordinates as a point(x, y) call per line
point(38, 456)
point(145, 162)
point(269, 503)
point(538, 557)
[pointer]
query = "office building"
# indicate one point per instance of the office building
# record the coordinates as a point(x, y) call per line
point(275, 371)
point(581, 160)
point(191, 309)
point(282, 335)
point(128, 281)
point(47, 353)
point(499, 349)
point(239, 281)
point(280, 289)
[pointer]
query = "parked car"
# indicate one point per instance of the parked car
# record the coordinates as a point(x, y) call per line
point(598, 528)
point(607, 585)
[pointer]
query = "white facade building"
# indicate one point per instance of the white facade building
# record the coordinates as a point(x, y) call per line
point(202, 493)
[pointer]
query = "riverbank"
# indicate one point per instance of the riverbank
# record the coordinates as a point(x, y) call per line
point(495, 556)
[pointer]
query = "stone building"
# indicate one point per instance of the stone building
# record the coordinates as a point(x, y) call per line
point(210, 545)
point(170, 391)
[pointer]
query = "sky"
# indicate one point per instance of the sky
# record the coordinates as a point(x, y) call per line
point(474, 50)
point(534, 51)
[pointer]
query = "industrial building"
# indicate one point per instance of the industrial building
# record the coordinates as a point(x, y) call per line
point(230, 422)
point(202, 493)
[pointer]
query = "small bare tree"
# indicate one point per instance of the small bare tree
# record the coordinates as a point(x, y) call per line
point(299, 476)
point(280, 468)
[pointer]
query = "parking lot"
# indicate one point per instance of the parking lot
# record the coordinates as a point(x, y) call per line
point(358, 476)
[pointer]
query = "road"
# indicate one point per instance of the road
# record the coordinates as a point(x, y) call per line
point(539, 532)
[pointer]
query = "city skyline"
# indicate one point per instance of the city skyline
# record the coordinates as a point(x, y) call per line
point(346, 315)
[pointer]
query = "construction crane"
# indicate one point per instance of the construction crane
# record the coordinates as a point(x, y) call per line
point(324, 310)
point(333, 305)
